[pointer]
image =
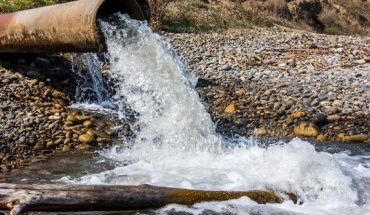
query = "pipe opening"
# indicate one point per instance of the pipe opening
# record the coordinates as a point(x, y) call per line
point(135, 9)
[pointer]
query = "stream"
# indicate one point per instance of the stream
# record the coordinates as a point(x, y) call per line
point(176, 144)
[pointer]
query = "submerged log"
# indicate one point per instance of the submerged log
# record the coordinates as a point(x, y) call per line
point(63, 198)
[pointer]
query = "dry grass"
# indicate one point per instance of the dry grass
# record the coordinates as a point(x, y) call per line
point(279, 8)
point(157, 10)
point(7, 6)
point(309, 15)
point(350, 17)
point(347, 17)
point(206, 16)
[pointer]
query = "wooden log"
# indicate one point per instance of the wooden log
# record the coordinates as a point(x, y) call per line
point(63, 198)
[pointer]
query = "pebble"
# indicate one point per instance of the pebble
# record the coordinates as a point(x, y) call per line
point(87, 124)
point(55, 117)
point(260, 132)
point(86, 138)
point(355, 138)
point(319, 119)
point(66, 148)
point(306, 129)
point(333, 118)
point(230, 109)
point(33, 74)
point(9, 116)
point(321, 137)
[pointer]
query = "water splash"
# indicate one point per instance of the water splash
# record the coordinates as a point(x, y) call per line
point(90, 88)
point(154, 82)
point(176, 143)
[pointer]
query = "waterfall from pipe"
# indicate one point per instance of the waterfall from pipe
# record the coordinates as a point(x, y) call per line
point(176, 144)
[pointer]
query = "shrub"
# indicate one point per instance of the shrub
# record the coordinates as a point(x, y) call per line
point(157, 9)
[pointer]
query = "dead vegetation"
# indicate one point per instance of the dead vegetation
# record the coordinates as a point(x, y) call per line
point(7, 6)
point(350, 17)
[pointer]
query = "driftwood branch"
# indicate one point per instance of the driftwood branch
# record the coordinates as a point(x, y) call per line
point(62, 198)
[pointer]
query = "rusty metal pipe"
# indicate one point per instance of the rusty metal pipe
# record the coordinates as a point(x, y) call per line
point(67, 27)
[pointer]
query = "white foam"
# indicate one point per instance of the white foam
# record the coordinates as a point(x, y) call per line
point(324, 185)
point(176, 145)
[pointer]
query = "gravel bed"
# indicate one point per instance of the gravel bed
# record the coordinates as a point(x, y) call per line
point(273, 82)
point(35, 120)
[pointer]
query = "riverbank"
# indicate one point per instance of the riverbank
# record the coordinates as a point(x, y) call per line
point(35, 118)
point(267, 83)
point(281, 83)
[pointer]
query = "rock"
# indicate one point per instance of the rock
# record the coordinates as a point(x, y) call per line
point(260, 132)
point(362, 61)
point(226, 67)
point(240, 92)
point(47, 93)
point(33, 74)
point(340, 136)
point(86, 138)
point(22, 139)
point(319, 119)
point(83, 146)
point(57, 94)
point(355, 138)
point(306, 129)
point(66, 141)
point(306, 102)
point(338, 103)
point(102, 140)
point(91, 133)
point(244, 121)
point(331, 110)
point(110, 132)
point(55, 117)
point(9, 116)
point(68, 123)
point(39, 146)
point(82, 118)
point(72, 118)
point(298, 114)
point(87, 124)
point(58, 141)
point(66, 148)
point(231, 109)
point(321, 137)
point(51, 144)
point(333, 118)
point(42, 61)
point(289, 121)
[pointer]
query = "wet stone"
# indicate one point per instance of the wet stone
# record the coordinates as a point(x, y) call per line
point(86, 138)
point(306, 129)
point(33, 74)
point(319, 119)
point(260, 132)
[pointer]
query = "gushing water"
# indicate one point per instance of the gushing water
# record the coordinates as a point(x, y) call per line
point(176, 144)
point(153, 81)
point(90, 86)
